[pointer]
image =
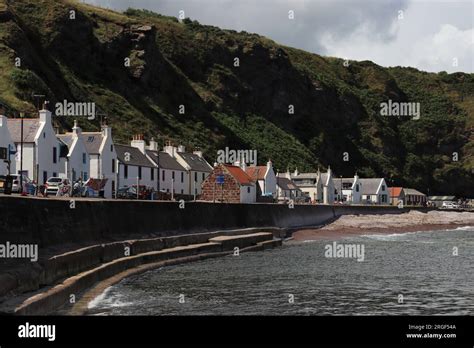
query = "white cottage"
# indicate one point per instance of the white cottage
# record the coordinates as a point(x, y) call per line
point(318, 186)
point(286, 188)
point(7, 148)
point(351, 189)
point(74, 162)
point(40, 146)
point(197, 168)
point(134, 167)
point(102, 157)
point(265, 177)
point(374, 191)
point(173, 177)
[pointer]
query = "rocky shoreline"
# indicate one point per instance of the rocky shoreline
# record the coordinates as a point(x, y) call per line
point(413, 221)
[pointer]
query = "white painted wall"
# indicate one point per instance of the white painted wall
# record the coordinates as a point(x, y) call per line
point(104, 167)
point(77, 164)
point(133, 175)
point(5, 141)
point(270, 181)
point(180, 185)
point(45, 141)
point(248, 194)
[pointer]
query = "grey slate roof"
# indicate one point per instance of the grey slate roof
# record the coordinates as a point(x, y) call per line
point(93, 141)
point(165, 161)
point(441, 198)
point(30, 129)
point(409, 191)
point(195, 162)
point(370, 186)
point(66, 139)
point(136, 157)
point(305, 176)
point(286, 184)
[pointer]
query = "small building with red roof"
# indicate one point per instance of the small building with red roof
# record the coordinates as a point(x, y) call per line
point(397, 195)
point(228, 184)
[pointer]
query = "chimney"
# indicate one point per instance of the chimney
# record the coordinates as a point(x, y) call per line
point(356, 177)
point(153, 145)
point(106, 129)
point(170, 149)
point(296, 172)
point(45, 114)
point(244, 166)
point(329, 172)
point(269, 164)
point(237, 163)
point(76, 130)
point(181, 148)
point(138, 143)
point(287, 174)
point(198, 153)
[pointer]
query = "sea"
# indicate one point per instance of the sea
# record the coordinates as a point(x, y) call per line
point(417, 273)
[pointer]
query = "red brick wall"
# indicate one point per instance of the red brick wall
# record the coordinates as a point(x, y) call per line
point(229, 192)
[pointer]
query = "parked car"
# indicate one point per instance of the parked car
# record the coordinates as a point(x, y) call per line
point(57, 186)
point(29, 186)
point(130, 192)
point(450, 205)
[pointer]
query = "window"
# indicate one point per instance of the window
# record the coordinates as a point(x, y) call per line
point(55, 174)
point(140, 173)
point(152, 174)
point(113, 165)
point(182, 177)
point(195, 176)
point(248, 189)
point(182, 191)
point(125, 171)
point(172, 174)
point(84, 158)
point(85, 176)
point(45, 176)
point(383, 187)
point(162, 175)
point(357, 188)
point(55, 155)
point(203, 176)
point(44, 135)
point(111, 148)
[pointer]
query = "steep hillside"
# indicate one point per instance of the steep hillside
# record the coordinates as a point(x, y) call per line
point(336, 107)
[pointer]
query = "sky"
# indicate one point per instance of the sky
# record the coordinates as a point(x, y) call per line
point(431, 35)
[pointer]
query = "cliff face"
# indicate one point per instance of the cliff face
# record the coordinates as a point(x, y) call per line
point(238, 90)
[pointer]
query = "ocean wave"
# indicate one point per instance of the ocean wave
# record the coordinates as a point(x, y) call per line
point(103, 301)
point(464, 228)
point(389, 237)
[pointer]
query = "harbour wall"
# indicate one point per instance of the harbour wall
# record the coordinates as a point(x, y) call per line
point(51, 222)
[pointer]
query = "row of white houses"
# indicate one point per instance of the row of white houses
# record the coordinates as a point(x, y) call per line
point(82, 155)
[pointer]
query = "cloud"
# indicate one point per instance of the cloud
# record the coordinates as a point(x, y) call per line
point(429, 36)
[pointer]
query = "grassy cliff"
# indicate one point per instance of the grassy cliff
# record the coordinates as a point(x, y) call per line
point(80, 56)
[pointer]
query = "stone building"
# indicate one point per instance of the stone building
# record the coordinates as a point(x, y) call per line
point(228, 184)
